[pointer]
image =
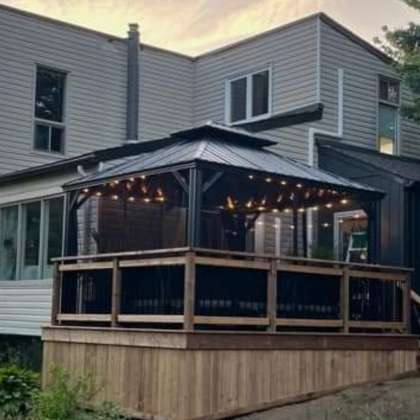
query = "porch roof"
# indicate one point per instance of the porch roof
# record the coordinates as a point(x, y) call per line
point(221, 147)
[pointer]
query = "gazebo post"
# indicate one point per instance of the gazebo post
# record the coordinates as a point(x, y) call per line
point(305, 234)
point(373, 212)
point(295, 231)
point(70, 231)
point(195, 192)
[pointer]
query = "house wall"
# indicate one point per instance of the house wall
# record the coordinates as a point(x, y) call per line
point(361, 71)
point(25, 305)
point(96, 87)
point(291, 52)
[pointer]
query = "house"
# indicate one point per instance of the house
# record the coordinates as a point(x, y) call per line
point(72, 100)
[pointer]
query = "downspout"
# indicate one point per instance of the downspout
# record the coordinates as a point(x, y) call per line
point(132, 118)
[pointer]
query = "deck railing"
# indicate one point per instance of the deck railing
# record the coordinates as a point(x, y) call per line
point(218, 290)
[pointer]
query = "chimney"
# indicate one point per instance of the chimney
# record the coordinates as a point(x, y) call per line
point(133, 48)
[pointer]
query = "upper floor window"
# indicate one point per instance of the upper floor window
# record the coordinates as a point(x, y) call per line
point(49, 110)
point(248, 97)
point(388, 114)
point(31, 235)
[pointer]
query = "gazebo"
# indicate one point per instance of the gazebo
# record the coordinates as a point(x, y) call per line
point(186, 286)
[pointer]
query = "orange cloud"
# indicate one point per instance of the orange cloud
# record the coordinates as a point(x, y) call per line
point(194, 26)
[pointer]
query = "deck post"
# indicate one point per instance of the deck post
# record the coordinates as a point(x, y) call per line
point(56, 294)
point(406, 295)
point(189, 291)
point(116, 293)
point(345, 299)
point(272, 295)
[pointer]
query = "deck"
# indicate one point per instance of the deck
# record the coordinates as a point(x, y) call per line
point(197, 334)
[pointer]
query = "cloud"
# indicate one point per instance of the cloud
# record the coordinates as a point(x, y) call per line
point(194, 26)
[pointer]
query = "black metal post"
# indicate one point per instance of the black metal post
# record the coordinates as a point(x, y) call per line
point(305, 234)
point(70, 231)
point(194, 207)
point(295, 231)
point(373, 211)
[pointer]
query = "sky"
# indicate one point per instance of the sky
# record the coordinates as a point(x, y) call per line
point(196, 26)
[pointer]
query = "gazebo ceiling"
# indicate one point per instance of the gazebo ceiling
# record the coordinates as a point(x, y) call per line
point(225, 149)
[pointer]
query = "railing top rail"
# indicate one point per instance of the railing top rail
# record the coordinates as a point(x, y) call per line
point(224, 254)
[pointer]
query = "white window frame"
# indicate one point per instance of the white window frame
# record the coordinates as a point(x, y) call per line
point(43, 235)
point(249, 87)
point(341, 216)
point(50, 124)
point(396, 105)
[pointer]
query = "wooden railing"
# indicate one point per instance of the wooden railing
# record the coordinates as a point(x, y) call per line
point(276, 271)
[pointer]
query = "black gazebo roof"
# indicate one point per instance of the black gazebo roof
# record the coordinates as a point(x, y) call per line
point(222, 148)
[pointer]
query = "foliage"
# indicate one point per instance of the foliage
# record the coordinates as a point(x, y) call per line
point(65, 399)
point(16, 389)
point(403, 45)
point(25, 352)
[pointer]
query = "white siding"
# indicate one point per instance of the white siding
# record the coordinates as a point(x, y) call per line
point(292, 54)
point(96, 87)
point(166, 81)
point(25, 305)
point(361, 69)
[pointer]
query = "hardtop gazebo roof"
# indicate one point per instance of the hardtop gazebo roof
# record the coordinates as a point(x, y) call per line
point(218, 147)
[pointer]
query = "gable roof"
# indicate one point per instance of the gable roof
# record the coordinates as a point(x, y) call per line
point(397, 166)
point(220, 147)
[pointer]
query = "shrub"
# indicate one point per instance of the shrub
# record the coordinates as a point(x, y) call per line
point(65, 399)
point(16, 389)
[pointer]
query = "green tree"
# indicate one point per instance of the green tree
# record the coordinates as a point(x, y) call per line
point(403, 45)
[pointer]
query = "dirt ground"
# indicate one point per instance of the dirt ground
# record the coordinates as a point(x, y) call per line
point(398, 400)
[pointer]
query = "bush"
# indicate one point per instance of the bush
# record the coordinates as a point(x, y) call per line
point(16, 389)
point(65, 399)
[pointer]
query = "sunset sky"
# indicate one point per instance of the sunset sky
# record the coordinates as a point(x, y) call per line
point(195, 26)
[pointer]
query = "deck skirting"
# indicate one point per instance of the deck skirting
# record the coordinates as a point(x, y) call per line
point(175, 375)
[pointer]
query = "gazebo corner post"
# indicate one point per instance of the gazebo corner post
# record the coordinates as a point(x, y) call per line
point(70, 224)
point(195, 194)
point(345, 299)
point(189, 291)
point(373, 210)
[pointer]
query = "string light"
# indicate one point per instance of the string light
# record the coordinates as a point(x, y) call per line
point(98, 194)
point(251, 176)
point(147, 200)
point(325, 225)
point(283, 183)
point(275, 210)
point(287, 211)
point(86, 190)
point(131, 199)
point(269, 180)
point(143, 177)
point(329, 206)
point(316, 208)
point(299, 185)
point(301, 210)
point(344, 201)
point(115, 197)
point(132, 179)
point(230, 203)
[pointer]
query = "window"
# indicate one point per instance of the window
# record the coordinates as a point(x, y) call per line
point(49, 110)
point(248, 97)
point(388, 114)
point(31, 236)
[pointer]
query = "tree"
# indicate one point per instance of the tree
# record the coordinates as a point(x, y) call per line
point(403, 45)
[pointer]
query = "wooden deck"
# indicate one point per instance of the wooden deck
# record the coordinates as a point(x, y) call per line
point(178, 375)
point(224, 334)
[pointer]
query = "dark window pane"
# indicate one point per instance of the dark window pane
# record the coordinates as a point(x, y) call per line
point(260, 93)
point(8, 249)
point(42, 134)
point(238, 100)
point(55, 228)
point(49, 98)
point(32, 225)
point(389, 90)
point(57, 139)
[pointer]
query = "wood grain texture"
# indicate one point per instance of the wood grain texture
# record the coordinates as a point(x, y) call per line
point(207, 384)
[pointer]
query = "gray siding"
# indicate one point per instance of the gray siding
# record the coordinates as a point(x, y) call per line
point(292, 54)
point(166, 81)
point(96, 88)
point(360, 92)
